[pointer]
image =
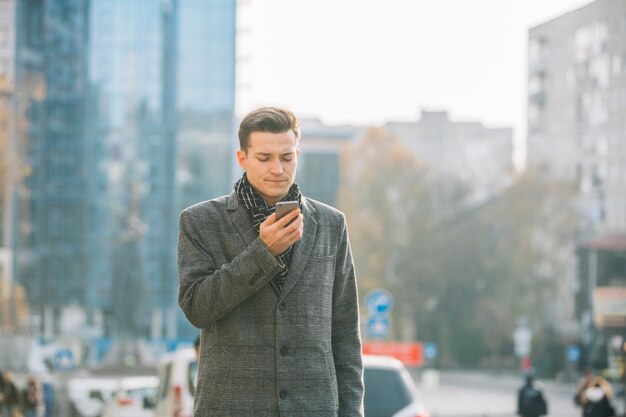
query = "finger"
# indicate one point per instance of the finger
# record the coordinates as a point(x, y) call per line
point(271, 219)
point(288, 218)
point(295, 229)
point(294, 223)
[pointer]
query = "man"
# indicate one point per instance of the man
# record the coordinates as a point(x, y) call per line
point(275, 299)
point(530, 400)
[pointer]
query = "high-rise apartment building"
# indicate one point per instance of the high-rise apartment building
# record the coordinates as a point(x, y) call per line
point(577, 134)
point(577, 108)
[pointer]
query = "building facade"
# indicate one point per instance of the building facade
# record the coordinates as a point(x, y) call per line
point(205, 110)
point(50, 218)
point(577, 135)
point(319, 165)
point(577, 108)
point(130, 119)
point(479, 157)
point(7, 82)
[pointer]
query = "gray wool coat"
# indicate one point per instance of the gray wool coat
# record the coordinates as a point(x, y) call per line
point(263, 354)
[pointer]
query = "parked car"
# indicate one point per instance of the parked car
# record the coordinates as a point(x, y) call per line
point(389, 389)
point(87, 396)
point(134, 397)
point(177, 384)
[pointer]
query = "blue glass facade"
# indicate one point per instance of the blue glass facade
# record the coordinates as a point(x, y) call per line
point(205, 89)
point(136, 122)
point(133, 264)
point(50, 81)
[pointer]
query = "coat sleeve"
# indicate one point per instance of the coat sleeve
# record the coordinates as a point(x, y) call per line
point(208, 292)
point(346, 338)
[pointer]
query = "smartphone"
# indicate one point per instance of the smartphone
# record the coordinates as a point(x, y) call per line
point(284, 207)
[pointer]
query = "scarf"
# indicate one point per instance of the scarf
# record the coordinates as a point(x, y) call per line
point(259, 211)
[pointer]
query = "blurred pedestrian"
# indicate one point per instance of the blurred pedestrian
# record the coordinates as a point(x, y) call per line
point(11, 396)
point(530, 399)
point(2, 387)
point(47, 391)
point(582, 385)
point(275, 298)
point(597, 398)
point(32, 399)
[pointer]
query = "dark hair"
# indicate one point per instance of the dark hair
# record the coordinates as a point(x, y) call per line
point(267, 119)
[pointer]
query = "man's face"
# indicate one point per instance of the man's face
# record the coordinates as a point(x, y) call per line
point(270, 162)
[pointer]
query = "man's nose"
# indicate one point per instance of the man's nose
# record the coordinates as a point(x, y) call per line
point(276, 167)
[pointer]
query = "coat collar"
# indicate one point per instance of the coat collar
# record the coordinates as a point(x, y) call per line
point(301, 250)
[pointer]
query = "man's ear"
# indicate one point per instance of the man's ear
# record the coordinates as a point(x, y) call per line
point(241, 159)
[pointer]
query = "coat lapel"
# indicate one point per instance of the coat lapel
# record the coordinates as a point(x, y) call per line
point(301, 250)
point(241, 219)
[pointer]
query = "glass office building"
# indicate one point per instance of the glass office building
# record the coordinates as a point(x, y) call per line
point(50, 72)
point(136, 122)
point(205, 96)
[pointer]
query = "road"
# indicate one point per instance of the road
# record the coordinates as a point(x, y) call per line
point(472, 394)
point(452, 394)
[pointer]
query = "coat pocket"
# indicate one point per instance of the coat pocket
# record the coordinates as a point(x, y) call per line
point(217, 376)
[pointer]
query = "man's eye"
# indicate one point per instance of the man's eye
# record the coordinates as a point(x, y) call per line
point(264, 159)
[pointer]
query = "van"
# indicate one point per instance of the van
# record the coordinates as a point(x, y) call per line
point(178, 372)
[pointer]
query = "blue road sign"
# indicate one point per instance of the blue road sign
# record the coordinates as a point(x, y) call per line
point(378, 325)
point(378, 301)
point(64, 360)
point(430, 350)
point(573, 354)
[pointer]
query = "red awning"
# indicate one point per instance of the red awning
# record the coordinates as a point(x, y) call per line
point(613, 243)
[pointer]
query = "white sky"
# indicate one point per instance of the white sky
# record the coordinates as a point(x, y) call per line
point(371, 61)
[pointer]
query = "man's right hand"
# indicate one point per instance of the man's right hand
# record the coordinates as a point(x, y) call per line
point(278, 235)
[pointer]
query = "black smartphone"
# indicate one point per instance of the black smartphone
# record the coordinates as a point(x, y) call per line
point(284, 207)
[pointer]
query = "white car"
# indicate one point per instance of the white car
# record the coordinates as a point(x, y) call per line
point(178, 373)
point(88, 395)
point(134, 397)
point(389, 389)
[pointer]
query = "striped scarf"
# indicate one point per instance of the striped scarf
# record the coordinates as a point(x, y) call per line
point(260, 210)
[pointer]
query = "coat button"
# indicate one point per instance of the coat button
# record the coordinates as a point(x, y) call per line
point(282, 307)
point(282, 394)
point(284, 350)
